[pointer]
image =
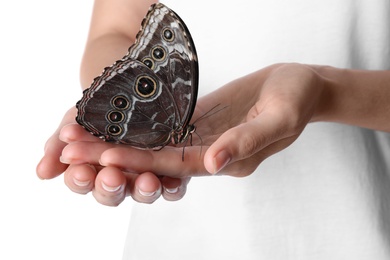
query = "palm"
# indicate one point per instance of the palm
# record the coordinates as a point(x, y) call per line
point(257, 116)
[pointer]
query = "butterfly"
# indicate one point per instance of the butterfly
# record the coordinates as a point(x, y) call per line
point(147, 98)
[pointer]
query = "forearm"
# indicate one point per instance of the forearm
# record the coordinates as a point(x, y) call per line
point(100, 53)
point(113, 28)
point(355, 97)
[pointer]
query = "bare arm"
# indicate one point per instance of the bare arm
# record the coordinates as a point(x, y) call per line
point(113, 28)
point(355, 97)
point(270, 111)
point(350, 96)
point(267, 115)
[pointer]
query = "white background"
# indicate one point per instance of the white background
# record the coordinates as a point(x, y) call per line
point(41, 44)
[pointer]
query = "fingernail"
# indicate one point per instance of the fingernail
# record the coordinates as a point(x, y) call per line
point(111, 188)
point(172, 190)
point(146, 193)
point(81, 183)
point(64, 160)
point(220, 161)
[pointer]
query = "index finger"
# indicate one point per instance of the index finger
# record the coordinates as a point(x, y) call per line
point(50, 166)
point(167, 161)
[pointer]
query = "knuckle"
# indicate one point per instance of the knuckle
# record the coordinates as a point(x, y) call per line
point(295, 124)
point(250, 144)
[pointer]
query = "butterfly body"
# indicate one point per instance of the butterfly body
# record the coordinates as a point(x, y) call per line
point(147, 98)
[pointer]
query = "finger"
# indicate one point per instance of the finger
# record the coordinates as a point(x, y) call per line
point(167, 162)
point(145, 187)
point(174, 188)
point(110, 186)
point(50, 165)
point(245, 140)
point(80, 178)
point(84, 152)
point(74, 132)
point(245, 167)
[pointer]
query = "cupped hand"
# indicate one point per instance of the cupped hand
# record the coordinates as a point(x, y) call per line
point(257, 116)
point(82, 172)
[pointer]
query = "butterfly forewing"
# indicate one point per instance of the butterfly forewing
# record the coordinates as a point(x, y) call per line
point(164, 33)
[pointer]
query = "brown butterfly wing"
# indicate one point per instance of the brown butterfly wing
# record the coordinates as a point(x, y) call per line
point(151, 93)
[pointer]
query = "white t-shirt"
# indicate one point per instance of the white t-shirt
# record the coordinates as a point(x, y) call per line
point(327, 196)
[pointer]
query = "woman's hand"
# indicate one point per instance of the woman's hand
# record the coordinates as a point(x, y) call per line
point(259, 115)
point(109, 185)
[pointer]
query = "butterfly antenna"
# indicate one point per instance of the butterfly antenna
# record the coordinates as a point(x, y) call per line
point(209, 113)
point(205, 115)
point(201, 144)
point(185, 145)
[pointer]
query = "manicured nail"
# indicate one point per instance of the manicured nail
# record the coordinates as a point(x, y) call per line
point(64, 160)
point(81, 183)
point(111, 188)
point(220, 161)
point(172, 190)
point(146, 193)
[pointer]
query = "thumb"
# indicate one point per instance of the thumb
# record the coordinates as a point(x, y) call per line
point(244, 141)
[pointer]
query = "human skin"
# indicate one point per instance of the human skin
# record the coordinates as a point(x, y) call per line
point(263, 113)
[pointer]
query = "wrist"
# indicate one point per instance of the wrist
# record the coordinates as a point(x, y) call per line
point(354, 97)
point(326, 107)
